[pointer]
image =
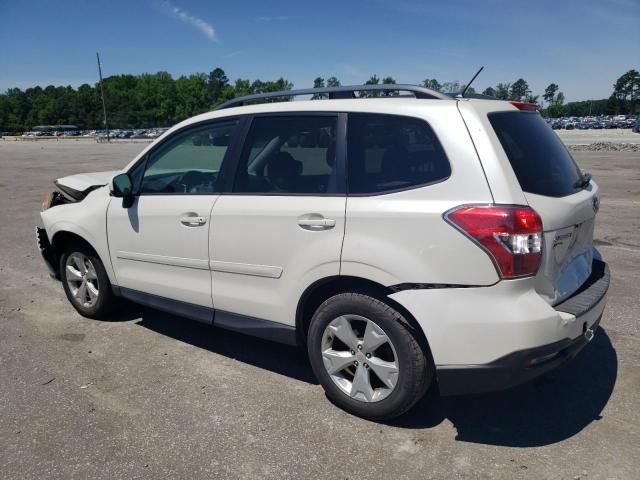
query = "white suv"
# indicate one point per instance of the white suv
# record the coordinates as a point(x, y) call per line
point(403, 240)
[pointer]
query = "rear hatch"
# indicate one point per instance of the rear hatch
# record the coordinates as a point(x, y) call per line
point(555, 188)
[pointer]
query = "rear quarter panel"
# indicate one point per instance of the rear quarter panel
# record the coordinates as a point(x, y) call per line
point(505, 187)
point(402, 237)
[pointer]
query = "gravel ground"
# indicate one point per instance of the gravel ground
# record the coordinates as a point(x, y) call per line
point(587, 137)
point(155, 396)
point(606, 147)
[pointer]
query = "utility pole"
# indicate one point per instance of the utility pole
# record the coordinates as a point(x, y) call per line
point(104, 105)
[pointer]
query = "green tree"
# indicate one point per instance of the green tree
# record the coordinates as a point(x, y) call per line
point(626, 90)
point(133, 101)
point(216, 83)
point(193, 96)
point(451, 87)
point(373, 80)
point(489, 91)
point(318, 83)
point(556, 109)
point(389, 81)
point(333, 82)
point(530, 98)
point(502, 91)
point(519, 90)
point(242, 87)
point(550, 92)
point(433, 84)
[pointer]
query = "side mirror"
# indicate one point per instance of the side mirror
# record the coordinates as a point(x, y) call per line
point(122, 187)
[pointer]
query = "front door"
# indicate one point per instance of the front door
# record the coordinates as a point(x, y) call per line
point(281, 227)
point(160, 245)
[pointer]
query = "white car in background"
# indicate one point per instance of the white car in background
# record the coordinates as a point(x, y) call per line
point(402, 240)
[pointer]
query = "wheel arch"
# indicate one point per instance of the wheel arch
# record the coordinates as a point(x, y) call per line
point(63, 239)
point(322, 289)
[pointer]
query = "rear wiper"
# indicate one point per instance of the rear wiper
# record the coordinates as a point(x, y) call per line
point(583, 181)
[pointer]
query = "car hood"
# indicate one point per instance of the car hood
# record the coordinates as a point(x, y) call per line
point(78, 186)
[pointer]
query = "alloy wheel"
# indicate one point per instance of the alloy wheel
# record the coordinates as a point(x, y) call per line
point(360, 358)
point(82, 279)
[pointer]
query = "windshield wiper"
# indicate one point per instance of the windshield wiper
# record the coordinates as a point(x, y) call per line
point(583, 181)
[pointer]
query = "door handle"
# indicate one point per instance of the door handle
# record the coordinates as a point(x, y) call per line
point(317, 223)
point(193, 221)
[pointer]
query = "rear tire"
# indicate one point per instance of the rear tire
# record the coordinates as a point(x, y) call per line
point(367, 357)
point(85, 282)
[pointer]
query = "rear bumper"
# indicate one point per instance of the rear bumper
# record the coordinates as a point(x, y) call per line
point(585, 306)
point(46, 251)
point(491, 338)
point(513, 369)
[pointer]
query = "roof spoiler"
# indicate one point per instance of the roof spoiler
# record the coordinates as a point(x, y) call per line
point(525, 106)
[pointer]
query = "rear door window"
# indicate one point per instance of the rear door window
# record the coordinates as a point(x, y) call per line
point(538, 157)
point(389, 152)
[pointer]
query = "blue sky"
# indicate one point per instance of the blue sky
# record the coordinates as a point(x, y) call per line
point(582, 45)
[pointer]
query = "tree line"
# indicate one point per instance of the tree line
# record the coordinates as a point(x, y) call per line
point(154, 100)
point(624, 99)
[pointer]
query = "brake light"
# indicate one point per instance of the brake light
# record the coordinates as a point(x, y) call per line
point(529, 107)
point(511, 235)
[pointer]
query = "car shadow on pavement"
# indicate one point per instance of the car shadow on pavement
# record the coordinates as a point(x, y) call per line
point(547, 410)
point(275, 357)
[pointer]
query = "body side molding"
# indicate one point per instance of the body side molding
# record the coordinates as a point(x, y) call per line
point(164, 260)
point(183, 309)
point(257, 327)
point(255, 270)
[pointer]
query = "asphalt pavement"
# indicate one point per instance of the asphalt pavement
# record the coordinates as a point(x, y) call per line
point(150, 395)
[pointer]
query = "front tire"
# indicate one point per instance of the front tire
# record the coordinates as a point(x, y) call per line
point(367, 357)
point(85, 282)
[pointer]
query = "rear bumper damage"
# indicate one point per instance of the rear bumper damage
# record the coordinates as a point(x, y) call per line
point(584, 307)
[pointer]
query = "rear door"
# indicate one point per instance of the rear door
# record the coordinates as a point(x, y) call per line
point(280, 225)
point(552, 185)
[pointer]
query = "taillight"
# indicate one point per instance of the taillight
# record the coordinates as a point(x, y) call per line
point(511, 235)
point(531, 107)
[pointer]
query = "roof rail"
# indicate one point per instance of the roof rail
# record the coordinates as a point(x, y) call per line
point(470, 95)
point(336, 92)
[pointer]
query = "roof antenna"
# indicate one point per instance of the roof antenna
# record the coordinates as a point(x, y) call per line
point(469, 84)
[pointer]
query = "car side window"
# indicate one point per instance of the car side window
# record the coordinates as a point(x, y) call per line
point(390, 152)
point(289, 155)
point(189, 163)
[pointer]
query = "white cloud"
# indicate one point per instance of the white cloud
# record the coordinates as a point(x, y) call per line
point(199, 24)
point(277, 18)
point(232, 54)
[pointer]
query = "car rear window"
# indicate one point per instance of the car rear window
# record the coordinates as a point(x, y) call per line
point(389, 153)
point(538, 157)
